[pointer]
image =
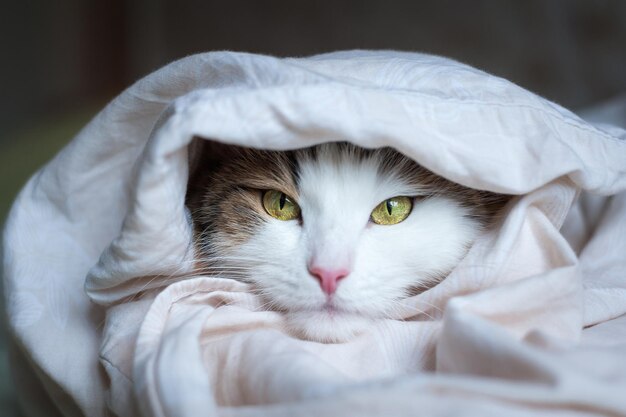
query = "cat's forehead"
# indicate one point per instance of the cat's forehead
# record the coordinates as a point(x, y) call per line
point(338, 169)
point(261, 170)
point(345, 170)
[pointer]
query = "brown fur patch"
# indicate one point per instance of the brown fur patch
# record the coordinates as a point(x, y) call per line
point(225, 189)
point(483, 204)
point(225, 192)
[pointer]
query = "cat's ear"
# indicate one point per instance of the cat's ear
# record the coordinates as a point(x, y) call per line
point(205, 156)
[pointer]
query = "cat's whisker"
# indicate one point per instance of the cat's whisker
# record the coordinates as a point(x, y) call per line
point(162, 278)
point(400, 308)
point(440, 310)
point(255, 261)
point(269, 304)
point(236, 237)
point(165, 280)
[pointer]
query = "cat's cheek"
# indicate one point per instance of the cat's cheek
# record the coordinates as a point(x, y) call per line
point(419, 252)
point(434, 237)
point(275, 241)
point(280, 262)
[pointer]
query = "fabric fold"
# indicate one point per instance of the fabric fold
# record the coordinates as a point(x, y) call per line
point(99, 252)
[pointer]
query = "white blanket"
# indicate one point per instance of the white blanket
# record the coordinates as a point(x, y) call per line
point(532, 322)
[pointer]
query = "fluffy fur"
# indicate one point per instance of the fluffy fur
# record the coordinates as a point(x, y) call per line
point(336, 186)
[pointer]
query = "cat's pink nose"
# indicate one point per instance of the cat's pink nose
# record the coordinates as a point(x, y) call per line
point(328, 277)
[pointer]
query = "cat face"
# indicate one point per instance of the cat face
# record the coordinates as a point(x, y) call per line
point(314, 231)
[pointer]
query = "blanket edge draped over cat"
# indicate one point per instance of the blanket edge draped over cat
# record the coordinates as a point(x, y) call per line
point(104, 223)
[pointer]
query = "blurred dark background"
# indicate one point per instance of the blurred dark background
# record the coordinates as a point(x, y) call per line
point(63, 60)
point(59, 55)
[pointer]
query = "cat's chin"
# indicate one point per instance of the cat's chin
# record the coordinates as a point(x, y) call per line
point(326, 326)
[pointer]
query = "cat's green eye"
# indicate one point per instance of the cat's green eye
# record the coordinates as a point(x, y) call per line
point(280, 205)
point(392, 211)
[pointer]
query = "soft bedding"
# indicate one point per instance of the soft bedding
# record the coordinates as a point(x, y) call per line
point(107, 317)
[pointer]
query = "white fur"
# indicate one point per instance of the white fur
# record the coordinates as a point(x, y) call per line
point(337, 196)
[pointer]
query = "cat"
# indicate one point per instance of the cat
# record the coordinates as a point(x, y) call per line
point(334, 235)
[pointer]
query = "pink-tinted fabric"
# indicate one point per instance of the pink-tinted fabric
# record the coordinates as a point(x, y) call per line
point(532, 321)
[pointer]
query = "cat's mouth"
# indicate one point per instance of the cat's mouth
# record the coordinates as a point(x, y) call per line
point(327, 323)
point(330, 307)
